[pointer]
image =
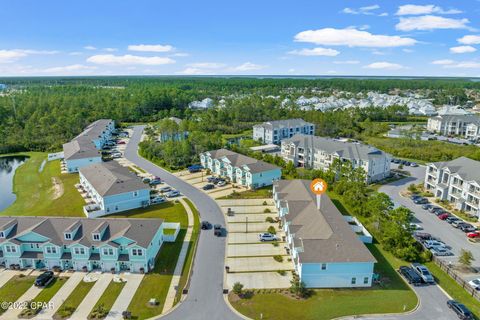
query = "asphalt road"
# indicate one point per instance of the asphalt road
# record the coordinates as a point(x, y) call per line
point(205, 298)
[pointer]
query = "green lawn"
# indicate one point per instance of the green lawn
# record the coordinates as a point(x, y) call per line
point(73, 300)
point(108, 298)
point(35, 190)
point(46, 295)
point(260, 193)
point(15, 288)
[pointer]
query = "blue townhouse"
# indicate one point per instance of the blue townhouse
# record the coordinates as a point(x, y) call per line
point(238, 168)
point(82, 244)
point(84, 149)
point(112, 188)
point(325, 250)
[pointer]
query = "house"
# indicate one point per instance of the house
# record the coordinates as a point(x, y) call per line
point(465, 125)
point(457, 181)
point(240, 169)
point(84, 149)
point(325, 250)
point(81, 243)
point(315, 152)
point(172, 132)
point(112, 188)
point(273, 132)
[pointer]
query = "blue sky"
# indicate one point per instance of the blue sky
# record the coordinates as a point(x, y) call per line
point(107, 37)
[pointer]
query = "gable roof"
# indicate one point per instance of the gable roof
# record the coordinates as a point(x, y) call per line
point(82, 146)
point(239, 160)
point(276, 124)
point(465, 167)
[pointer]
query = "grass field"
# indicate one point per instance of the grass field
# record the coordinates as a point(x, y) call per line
point(36, 193)
point(260, 193)
point(74, 299)
point(14, 289)
point(45, 295)
point(109, 296)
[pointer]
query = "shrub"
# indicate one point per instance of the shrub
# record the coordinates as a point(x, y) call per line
point(66, 311)
point(237, 288)
point(269, 220)
point(278, 258)
point(282, 272)
point(267, 210)
point(298, 288)
point(271, 230)
point(275, 243)
point(265, 203)
point(99, 312)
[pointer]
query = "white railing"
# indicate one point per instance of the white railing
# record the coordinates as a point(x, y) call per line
point(93, 211)
point(359, 229)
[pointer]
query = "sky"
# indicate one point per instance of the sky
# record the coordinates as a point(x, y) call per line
point(262, 37)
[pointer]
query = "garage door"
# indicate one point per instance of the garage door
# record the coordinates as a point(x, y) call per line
point(107, 266)
point(136, 267)
point(78, 265)
point(52, 263)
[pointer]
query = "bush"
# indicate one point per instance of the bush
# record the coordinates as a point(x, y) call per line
point(275, 243)
point(278, 258)
point(282, 272)
point(265, 203)
point(271, 230)
point(298, 288)
point(66, 311)
point(269, 220)
point(237, 288)
point(267, 210)
point(99, 312)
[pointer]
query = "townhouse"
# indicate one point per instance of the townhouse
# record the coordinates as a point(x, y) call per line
point(464, 125)
point(112, 188)
point(457, 181)
point(238, 168)
point(325, 249)
point(273, 132)
point(84, 149)
point(315, 152)
point(81, 243)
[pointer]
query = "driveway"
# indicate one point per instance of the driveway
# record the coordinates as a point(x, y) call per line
point(87, 304)
point(125, 296)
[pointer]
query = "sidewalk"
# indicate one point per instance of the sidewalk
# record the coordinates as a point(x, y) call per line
point(172, 290)
point(86, 306)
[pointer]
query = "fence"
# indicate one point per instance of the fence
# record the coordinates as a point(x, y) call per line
point(455, 276)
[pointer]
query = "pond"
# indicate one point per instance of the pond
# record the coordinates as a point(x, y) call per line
point(8, 165)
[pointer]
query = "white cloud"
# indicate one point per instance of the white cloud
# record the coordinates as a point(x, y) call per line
point(367, 10)
point(407, 50)
point(7, 56)
point(430, 22)
point(462, 49)
point(90, 48)
point(206, 65)
point(110, 59)
point(347, 62)
point(469, 39)
point(110, 49)
point(193, 71)
point(352, 38)
point(315, 52)
point(248, 66)
point(383, 14)
point(384, 65)
point(412, 9)
point(75, 53)
point(151, 47)
point(70, 70)
point(180, 54)
point(464, 65)
point(443, 62)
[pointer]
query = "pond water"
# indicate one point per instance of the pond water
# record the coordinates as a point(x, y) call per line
point(8, 165)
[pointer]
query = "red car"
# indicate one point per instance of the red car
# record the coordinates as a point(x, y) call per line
point(121, 142)
point(474, 234)
point(443, 216)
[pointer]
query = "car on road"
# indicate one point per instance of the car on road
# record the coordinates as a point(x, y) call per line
point(173, 194)
point(461, 311)
point(44, 279)
point(440, 252)
point(165, 189)
point(209, 186)
point(217, 230)
point(267, 237)
point(444, 216)
point(466, 227)
point(474, 234)
point(212, 179)
point(157, 200)
point(475, 284)
point(427, 206)
point(420, 201)
point(422, 236)
point(205, 225)
point(410, 275)
point(423, 272)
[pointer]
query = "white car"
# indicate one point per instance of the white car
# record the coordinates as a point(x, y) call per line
point(221, 183)
point(267, 237)
point(416, 226)
point(157, 200)
point(475, 283)
point(429, 244)
point(440, 252)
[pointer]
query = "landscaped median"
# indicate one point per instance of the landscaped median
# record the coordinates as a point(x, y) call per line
point(14, 289)
point(74, 299)
point(106, 301)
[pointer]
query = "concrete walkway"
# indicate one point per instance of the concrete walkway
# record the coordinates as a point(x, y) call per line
point(13, 313)
point(124, 298)
point(6, 275)
point(61, 295)
point(86, 306)
point(177, 273)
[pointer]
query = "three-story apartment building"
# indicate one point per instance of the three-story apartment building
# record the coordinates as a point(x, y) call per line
point(457, 181)
point(315, 152)
point(465, 125)
point(273, 132)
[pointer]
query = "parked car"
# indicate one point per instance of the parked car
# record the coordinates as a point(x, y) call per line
point(217, 230)
point(221, 183)
point(458, 223)
point(444, 216)
point(427, 206)
point(415, 196)
point(432, 209)
point(420, 201)
point(173, 194)
point(155, 181)
point(433, 243)
point(461, 311)
point(44, 279)
point(423, 272)
point(146, 180)
point(475, 284)
point(474, 234)
point(440, 252)
point(158, 199)
point(439, 212)
point(413, 164)
point(415, 226)
point(206, 225)
point(410, 275)
point(466, 227)
point(165, 189)
point(451, 219)
point(422, 236)
point(267, 237)
point(121, 142)
point(209, 186)
point(194, 168)
point(212, 179)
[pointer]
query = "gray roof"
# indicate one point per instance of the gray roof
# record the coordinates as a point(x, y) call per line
point(140, 231)
point(82, 146)
point(465, 167)
point(345, 150)
point(284, 123)
point(470, 118)
point(110, 178)
point(240, 160)
point(325, 235)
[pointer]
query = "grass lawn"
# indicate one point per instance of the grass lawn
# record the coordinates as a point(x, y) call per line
point(260, 193)
point(108, 297)
point(35, 191)
point(15, 288)
point(74, 299)
point(46, 295)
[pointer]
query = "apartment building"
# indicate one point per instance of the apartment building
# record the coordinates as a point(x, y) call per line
point(273, 132)
point(315, 152)
point(457, 181)
point(464, 125)
point(325, 249)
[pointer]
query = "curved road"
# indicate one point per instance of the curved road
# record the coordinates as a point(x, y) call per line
point(205, 299)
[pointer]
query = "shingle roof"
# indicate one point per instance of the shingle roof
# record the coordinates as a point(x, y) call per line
point(470, 118)
point(465, 167)
point(240, 160)
point(110, 178)
point(82, 146)
point(324, 234)
point(284, 123)
point(140, 231)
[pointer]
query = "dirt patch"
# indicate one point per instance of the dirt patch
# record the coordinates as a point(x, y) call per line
point(57, 188)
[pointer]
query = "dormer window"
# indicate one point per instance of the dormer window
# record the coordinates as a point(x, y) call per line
point(68, 236)
point(96, 237)
point(2, 234)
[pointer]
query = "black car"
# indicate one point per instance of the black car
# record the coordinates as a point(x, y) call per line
point(411, 276)
point(420, 201)
point(206, 225)
point(466, 227)
point(460, 309)
point(415, 196)
point(217, 230)
point(44, 279)
point(451, 219)
point(433, 208)
point(208, 186)
point(427, 206)
point(437, 211)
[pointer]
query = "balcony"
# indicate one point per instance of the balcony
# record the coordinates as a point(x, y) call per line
point(93, 211)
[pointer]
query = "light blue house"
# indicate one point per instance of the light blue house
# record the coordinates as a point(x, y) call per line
point(325, 250)
point(84, 149)
point(240, 169)
point(112, 188)
point(81, 243)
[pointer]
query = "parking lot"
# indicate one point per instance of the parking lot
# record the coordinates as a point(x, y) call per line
point(200, 180)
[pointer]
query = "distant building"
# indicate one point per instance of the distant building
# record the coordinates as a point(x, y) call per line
point(249, 172)
point(81, 243)
point(319, 153)
point(3, 86)
point(273, 132)
point(457, 181)
point(325, 249)
point(84, 149)
point(466, 125)
point(172, 135)
point(204, 104)
point(112, 188)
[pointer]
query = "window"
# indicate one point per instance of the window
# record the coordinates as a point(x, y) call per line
point(107, 251)
point(2, 235)
point(324, 266)
point(31, 245)
point(11, 249)
point(79, 250)
point(137, 252)
point(96, 236)
point(365, 280)
point(37, 246)
point(135, 193)
point(68, 236)
point(354, 280)
point(51, 250)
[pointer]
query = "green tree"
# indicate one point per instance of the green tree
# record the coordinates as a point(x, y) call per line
point(466, 258)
